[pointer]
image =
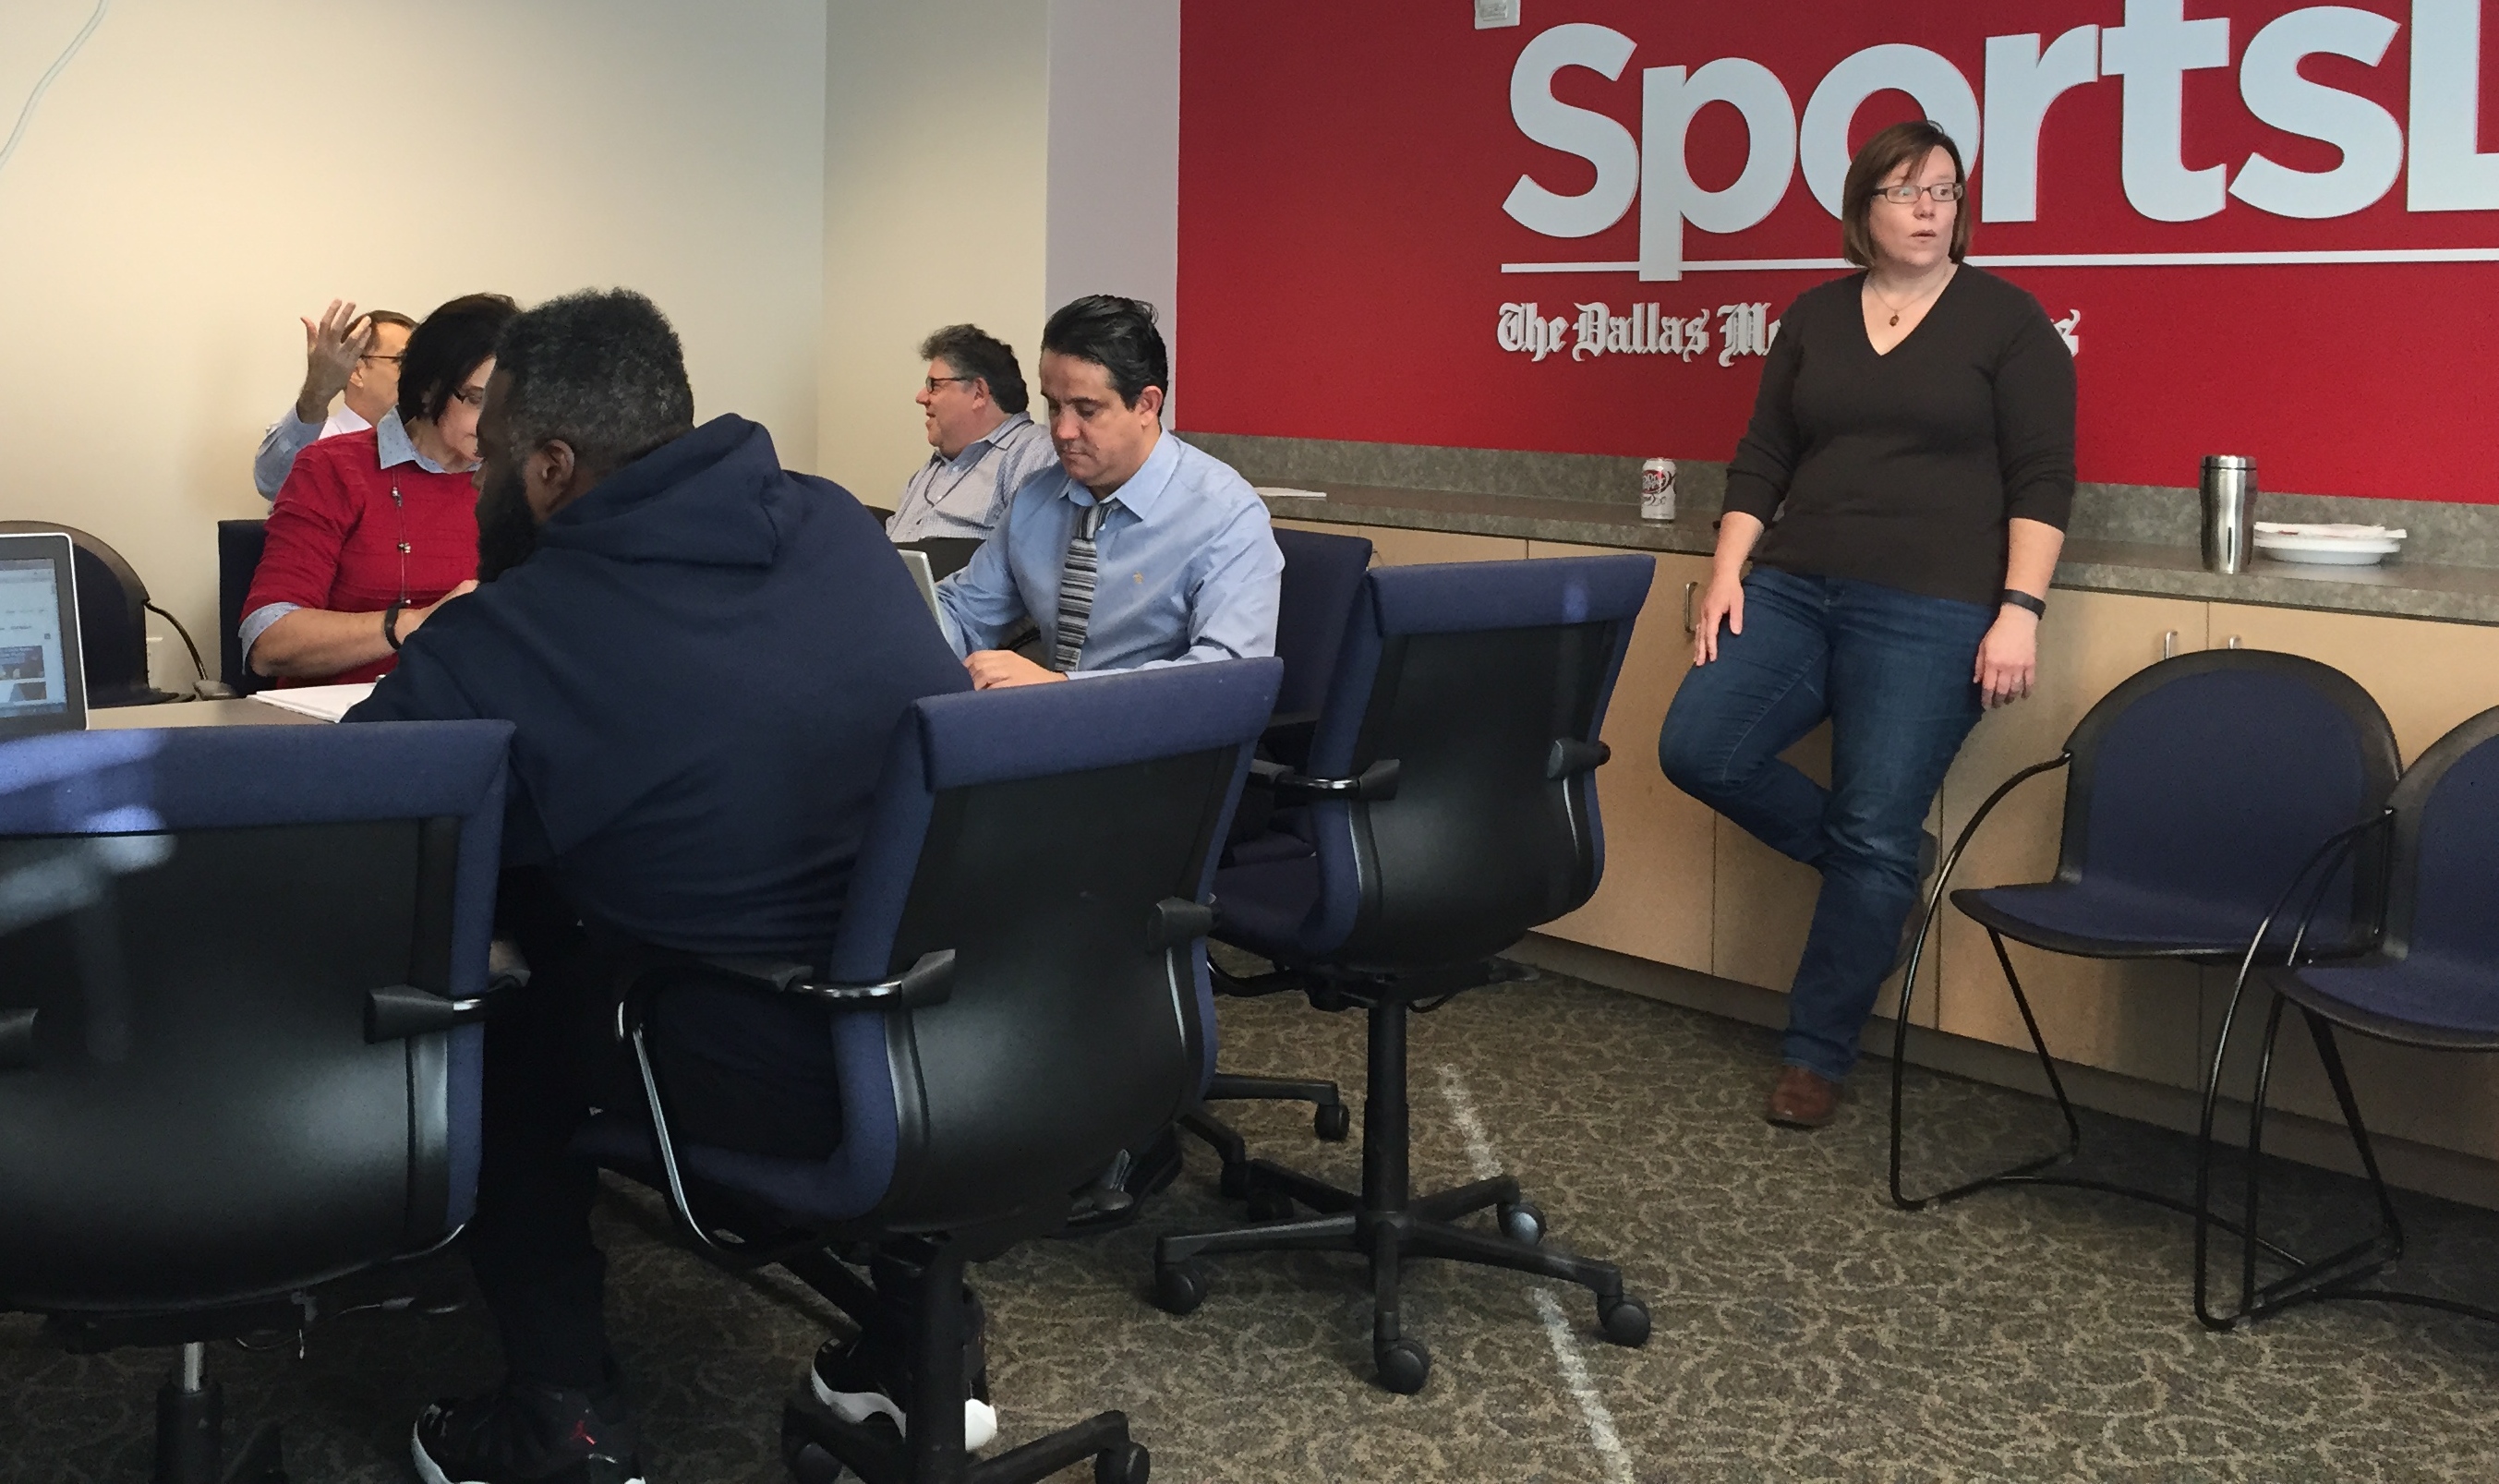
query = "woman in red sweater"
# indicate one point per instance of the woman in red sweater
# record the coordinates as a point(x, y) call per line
point(373, 530)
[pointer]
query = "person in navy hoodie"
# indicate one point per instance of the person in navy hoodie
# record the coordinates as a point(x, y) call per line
point(704, 654)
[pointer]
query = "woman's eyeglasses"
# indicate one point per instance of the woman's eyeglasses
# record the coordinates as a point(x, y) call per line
point(1945, 192)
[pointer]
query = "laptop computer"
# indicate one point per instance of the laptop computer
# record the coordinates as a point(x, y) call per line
point(43, 682)
point(917, 563)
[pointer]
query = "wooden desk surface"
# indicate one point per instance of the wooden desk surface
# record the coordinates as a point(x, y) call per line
point(197, 713)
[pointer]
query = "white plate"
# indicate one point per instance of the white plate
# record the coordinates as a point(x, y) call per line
point(2325, 551)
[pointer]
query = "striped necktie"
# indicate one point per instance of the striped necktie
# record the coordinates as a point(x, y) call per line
point(1076, 586)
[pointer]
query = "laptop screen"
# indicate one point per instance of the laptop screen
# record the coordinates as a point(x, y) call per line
point(42, 687)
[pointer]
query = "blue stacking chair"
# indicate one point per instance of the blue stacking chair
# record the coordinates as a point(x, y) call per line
point(2195, 791)
point(1451, 806)
point(1016, 995)
point(235, 1056)
point(2431, 981)
point(1323, 574)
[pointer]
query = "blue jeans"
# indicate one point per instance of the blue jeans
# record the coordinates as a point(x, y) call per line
point(1892, 673)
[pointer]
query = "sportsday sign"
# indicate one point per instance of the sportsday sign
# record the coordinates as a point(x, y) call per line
point(2262, 228)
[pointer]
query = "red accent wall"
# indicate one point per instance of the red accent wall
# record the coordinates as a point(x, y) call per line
point(1342, 241)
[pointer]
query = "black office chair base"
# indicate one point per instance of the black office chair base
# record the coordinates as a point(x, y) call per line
point(190, 1433)
point(1386, 1225)
point(1330, 1120)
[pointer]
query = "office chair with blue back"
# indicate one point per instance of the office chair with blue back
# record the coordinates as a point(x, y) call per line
point(1323, 579)
point(2429, 979)
point(1017, 995)
point(235, 1063)
point(2195, 791)
point(1451, 807)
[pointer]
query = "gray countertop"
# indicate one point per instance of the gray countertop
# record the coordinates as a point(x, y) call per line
point(2457, 593)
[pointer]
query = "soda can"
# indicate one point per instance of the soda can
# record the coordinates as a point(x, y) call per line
point(1657, 490)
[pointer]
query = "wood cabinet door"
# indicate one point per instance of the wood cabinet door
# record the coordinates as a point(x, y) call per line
point(1654, 901)
point(2428, 676)
point(2140, 1018)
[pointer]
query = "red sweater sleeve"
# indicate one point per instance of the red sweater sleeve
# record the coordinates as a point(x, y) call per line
point(307, 528)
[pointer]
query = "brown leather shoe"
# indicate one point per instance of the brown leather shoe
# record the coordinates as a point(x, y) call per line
point(1802, 1099)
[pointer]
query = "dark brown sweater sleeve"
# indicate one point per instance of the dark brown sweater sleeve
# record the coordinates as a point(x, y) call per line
point(2034, 422)
point(1766, 458)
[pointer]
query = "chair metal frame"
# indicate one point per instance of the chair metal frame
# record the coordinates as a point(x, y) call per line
point(2034, 1171)
point(2335, 1276)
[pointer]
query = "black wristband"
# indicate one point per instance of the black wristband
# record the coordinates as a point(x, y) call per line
point(390, 622)
point(2021, 599)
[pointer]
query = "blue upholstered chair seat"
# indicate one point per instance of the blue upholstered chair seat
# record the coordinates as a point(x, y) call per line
point(2105, 919)
point(1261, 905)
point(2447, 1001)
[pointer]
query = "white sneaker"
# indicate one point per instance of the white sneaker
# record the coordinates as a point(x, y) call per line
point(845, 1383)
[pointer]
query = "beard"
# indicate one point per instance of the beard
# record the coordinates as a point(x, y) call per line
point(508, 533)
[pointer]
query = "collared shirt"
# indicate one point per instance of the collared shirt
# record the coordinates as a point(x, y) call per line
point(1186, 567)
point(323, 551)
point(290, 436)
point(965, 495)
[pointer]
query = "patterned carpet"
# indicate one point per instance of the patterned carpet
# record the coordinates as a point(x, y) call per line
point(1804, 1329)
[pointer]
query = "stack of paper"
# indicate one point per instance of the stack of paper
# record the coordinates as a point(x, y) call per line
point(328, 702)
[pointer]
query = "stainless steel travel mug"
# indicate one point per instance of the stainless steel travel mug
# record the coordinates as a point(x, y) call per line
point(2229, 513)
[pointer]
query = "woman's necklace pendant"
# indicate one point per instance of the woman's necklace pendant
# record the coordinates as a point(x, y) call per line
point(1896, 319)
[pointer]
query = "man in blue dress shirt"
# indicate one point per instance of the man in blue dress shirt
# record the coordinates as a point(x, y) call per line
point(1135, 549)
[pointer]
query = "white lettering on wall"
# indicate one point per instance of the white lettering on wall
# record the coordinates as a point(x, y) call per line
point(1643, 330)
point(1557, 125)
point(1523, 329)
point(1942, 91)
point(2371, 141)
point(2151, 53)
point(1667, 197)
point(2022, 81)
point(2448, 172)
point(2154, 51)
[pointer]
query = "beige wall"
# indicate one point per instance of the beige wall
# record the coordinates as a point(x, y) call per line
point(937, 207)
point(201, 174)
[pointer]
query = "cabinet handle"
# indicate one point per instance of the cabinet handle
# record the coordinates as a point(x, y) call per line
point(1690, 624)
point(2234, 641)
point(2169, 645)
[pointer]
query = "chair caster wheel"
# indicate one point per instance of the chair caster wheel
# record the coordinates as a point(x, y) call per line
point(1270, 1206)
point(1521, 1222)
point(1180, 1287)
point(1333, 1122)
point(1625, 1322)
point(1404, 1366)
point(1125, 1463)
point(1234, 1182)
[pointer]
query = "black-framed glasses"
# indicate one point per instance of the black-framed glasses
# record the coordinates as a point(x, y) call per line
point(470, 397)
point(394, 360)
point(932, 384)
point(1945, 193)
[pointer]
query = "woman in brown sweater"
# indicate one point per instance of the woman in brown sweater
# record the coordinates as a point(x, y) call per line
point(1901, 495)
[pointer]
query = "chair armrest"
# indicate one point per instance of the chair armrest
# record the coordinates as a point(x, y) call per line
point(930, 980)
point(397, 1012)
point(1378, 782)
point(1571, 755)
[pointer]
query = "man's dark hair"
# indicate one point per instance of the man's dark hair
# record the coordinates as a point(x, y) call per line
point(601, 371)
point(971, 351)
point(447, 349)
point(1117, 335)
